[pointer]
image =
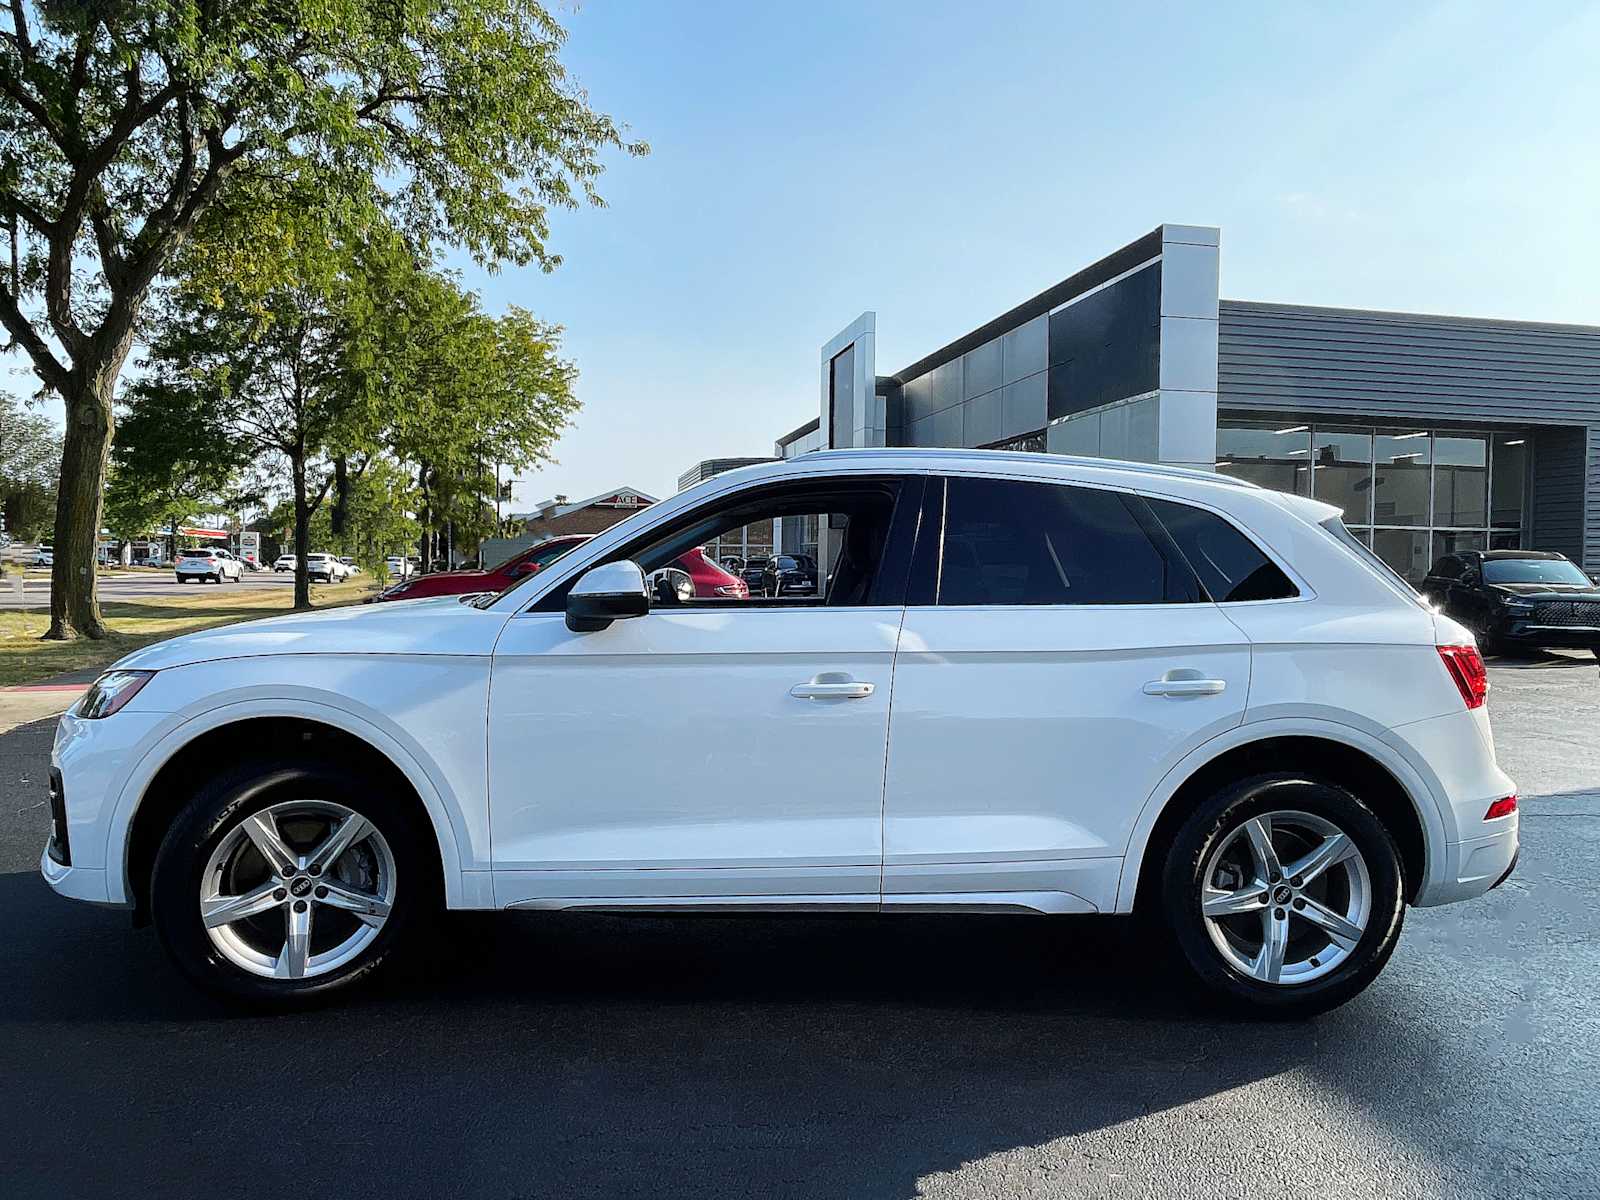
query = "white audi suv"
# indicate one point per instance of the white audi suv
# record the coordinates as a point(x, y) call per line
point(1024, 684)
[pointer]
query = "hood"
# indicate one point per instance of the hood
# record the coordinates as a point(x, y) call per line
point(432, 625)
point(1547, 591)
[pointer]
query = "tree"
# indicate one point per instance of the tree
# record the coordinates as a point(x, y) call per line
point(377, 521)
point(121, 124)
point(172, 458)
point(30, 454)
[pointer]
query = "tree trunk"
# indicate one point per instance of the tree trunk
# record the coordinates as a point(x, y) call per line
point(302, 535)
point(85, 449)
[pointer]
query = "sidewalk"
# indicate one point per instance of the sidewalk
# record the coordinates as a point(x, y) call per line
point(48, 698)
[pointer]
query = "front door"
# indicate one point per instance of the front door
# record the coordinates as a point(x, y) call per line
point(1066, 659)
point(712, 753)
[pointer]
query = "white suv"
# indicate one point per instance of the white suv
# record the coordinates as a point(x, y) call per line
point(1029, 684)
point(207, 563)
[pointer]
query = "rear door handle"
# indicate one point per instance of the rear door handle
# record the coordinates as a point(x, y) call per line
point(1185, 687)
point(833, 685)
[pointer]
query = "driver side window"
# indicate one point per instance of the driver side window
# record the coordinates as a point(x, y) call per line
point(835, 543)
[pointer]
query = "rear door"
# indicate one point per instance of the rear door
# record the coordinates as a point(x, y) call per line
point(1058, 656)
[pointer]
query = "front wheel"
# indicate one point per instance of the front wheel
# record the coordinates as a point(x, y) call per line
point(267, 889)
point(1284, 895)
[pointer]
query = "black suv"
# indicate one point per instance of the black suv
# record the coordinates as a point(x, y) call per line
point(1517, 598)
point(790, 575)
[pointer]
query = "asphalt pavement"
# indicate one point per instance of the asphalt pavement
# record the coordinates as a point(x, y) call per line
point(124, 585)
point(550, 1055)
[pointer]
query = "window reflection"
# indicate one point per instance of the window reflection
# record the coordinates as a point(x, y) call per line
point(1460, 481)
point(1342, 464)
point(1400, 480)
point(1275, 456)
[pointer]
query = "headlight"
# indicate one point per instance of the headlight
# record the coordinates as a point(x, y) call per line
point(1521, 605)
point(111, 691)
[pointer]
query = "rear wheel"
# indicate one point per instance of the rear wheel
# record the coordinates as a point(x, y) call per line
point(280, 883)
point(1284, 895)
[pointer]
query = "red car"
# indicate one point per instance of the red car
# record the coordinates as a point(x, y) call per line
point(708, 580)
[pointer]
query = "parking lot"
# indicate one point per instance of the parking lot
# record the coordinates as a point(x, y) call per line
point(560, 1055)
point(125, 585)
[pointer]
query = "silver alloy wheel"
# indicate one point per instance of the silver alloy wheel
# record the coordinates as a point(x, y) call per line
point(1286, 897)
point(297, 889)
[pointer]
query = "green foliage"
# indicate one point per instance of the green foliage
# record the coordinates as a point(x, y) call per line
point(172, 458)
point(123, 124)
point(30, 458)
point(377, 523)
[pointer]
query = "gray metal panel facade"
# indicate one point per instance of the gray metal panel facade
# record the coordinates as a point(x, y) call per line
point(1285, 359)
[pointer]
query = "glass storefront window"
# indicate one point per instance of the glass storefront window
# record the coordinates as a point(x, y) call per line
point(1411, 494)
point(1405, 550)
point(1510, 480)
point(1453, 540)
point(1400, 478)
point(1460, 481)
point(1342, 466)
point(1275, 456)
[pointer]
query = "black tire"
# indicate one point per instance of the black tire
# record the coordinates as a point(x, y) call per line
point(219, 806)
point(1216, 819)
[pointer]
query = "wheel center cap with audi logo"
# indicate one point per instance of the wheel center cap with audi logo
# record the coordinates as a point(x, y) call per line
point(1281, 896)
point(300, 886)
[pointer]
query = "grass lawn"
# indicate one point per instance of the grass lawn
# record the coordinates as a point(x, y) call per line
point(26, 659)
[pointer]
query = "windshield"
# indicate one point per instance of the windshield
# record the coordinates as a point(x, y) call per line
point(1533, 570)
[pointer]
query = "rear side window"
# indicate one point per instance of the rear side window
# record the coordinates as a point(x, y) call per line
point(1014, 542)
point(1229, 564)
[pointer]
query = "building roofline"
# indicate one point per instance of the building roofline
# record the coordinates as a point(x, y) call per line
point(1118, 262)
point(810, 426)
point(1383, 314)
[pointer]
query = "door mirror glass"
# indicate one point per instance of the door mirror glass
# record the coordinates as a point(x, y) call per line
point(610, 592)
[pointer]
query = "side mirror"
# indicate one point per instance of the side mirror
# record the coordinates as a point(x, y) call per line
point(610, 592)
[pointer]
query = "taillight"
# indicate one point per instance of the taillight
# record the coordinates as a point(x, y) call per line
point(1465, 665)
point(1501, 808)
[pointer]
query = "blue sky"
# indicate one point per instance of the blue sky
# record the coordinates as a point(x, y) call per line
point(940, 162)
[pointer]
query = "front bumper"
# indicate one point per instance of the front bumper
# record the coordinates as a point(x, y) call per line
point(1522, 631)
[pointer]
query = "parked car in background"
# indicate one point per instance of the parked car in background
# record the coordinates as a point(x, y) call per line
point(284, 562)
point(1216, 708)
point(353, 567)
point(398, 566)
point(252, 565)
point(207, 563)
point(1518, 599)
point(457, 583)
point(790, 575)
point(754, 574)
point(44, 556)
point(693, 576)
point(325, 568)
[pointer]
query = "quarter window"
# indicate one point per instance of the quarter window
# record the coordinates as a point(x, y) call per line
point(1230, 565)
point(1011, 542)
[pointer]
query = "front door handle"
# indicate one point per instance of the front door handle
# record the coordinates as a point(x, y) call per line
point(832, 685)
point(1185, 687)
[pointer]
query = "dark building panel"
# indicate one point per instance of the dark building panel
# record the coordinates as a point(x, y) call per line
point(1107, 346)
point(1558, 493)
point(1277, 357)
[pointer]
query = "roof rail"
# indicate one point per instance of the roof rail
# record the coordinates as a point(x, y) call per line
point(1105, 464)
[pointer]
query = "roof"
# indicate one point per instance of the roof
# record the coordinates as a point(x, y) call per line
point(1497, 554)
point(546, 509)
point(901, 457)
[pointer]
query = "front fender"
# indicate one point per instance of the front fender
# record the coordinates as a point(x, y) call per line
point(456, 805)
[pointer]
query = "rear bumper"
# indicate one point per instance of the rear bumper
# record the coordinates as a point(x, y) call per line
point(1474, 867)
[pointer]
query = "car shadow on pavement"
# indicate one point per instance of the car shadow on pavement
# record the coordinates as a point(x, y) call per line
point(563, 1054)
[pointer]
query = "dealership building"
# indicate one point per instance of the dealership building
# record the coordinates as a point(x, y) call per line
point(1432, 433)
